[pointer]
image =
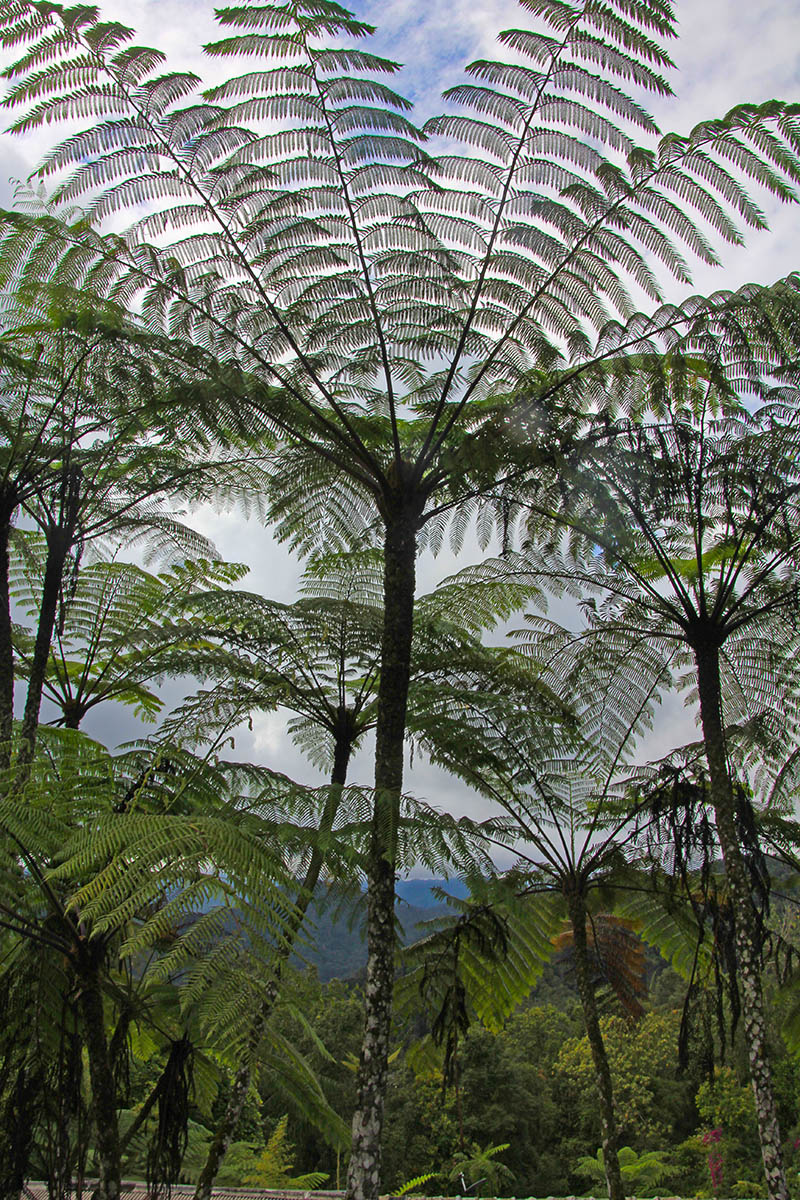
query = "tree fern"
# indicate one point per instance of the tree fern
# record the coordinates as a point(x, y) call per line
point(126, 882)
point(80, 462)
point(118, 632)
point(694, 556)
point(578, 834)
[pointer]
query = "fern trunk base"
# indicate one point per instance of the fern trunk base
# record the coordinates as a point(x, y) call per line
point(400, 550)
point(602, 1071)
point(104, 1092)
point(748, 951)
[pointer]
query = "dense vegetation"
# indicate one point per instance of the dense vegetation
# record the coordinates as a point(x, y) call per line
point(281, 293)
point(515, 1087)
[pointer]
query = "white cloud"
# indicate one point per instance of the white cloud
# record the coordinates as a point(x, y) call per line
point(269, 736)
point(274, 571)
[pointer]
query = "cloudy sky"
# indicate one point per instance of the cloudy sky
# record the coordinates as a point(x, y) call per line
point(727, 52)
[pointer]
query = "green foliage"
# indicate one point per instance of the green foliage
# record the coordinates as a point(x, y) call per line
point(726, 1105)
point(650, 1102)
point(273, 1166)
point(421, 1133)
point(477, 1167)
point(482, 961)
point(168, 868)
point(324, 1026)
point(413, 1185)
point(511, 1090)
point(642, 1173)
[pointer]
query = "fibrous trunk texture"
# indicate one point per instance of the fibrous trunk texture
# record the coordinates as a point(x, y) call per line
point(748, 951)
point(363, 1178)
point(58, 545)
point(602, 1071)
point(7, 506)
point(104, 1092)
point(60, 537)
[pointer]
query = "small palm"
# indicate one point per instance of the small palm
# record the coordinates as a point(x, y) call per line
point(476, 1166)
point(642, 1171)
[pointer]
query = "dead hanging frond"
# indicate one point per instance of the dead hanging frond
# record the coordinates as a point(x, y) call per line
point(683, 847)
point(42, 1103)
point(18, 1115)
point(617, 959)
point(171, 1137)
point(679, 832)
point(754, 856)
point(687, 871)
point(447, 961)
point(21, 1092)
point(69, 583)
point(66, 1121)
point(119, 1050)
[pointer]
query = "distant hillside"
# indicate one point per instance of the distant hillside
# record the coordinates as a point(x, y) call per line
point(420, 891)
point(336, 947)
point(335, 940)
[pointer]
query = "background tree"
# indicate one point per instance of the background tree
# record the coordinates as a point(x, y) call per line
point(129, 925)
point(112, 607)
point(570, 823)
point(120, 631)
point(688, 529)
point(319, 659)
point(82, 463)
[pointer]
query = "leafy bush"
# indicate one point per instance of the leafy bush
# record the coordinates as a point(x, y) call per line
point(641, 1173)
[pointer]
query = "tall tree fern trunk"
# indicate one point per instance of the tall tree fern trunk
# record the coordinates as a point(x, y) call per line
point(58, 546)
point(60, 539)
point(748, 951)
point(602, 1071)
point(104, 1092)
point(225, 1131)
point(8, 503)
point(400, 551)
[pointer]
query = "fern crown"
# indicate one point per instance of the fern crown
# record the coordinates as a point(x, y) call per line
point(295, 221)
